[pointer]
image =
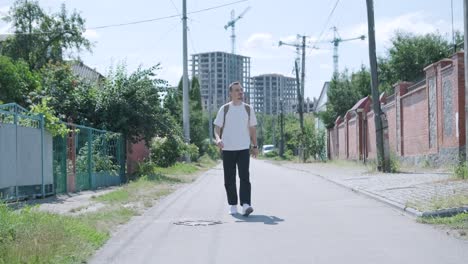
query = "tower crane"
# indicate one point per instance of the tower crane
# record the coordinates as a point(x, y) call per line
point(336, 42)
point(232, 24)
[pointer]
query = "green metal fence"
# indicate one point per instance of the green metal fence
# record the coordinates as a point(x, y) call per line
point(35, 164)
point(88, 159)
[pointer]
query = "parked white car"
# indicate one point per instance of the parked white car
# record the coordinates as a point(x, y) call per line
point(268, 148)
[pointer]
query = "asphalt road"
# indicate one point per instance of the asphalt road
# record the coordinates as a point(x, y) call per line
point(298, 218)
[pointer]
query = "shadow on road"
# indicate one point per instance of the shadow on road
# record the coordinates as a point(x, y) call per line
point(267, 220)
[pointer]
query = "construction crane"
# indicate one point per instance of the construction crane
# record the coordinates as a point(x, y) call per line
point(232, 24)
point(336, 42)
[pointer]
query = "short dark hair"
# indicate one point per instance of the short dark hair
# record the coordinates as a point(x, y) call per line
point(232, 84)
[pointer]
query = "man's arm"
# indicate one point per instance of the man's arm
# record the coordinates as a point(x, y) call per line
point(217, 133)
point(253, 139)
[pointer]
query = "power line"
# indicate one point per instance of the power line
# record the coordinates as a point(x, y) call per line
point(167, 17)
point(136, 22)
point(326, 23)
point(191, 41)
point(189, 31)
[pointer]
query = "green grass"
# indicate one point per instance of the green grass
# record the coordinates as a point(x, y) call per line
point(461, 171)
point(107, 219)
point(458, 222)
point(438, 203)
point(117, 196)
point(30, 236)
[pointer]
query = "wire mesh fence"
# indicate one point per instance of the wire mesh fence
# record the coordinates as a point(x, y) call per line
point(33, 163)
point(88, 159)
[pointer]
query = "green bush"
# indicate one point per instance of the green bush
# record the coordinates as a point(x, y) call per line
point(166, 151)
point(271, 154)
point(211, 149)
point(192, 151)
point(461, 170)
point(288, 155)
point(394, 163)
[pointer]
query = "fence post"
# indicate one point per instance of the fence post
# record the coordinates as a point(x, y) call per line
point(15, 116)
point(122, 160)
point(90, 174)
point(42, 154)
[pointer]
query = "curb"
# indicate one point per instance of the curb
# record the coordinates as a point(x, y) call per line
point(411, 211)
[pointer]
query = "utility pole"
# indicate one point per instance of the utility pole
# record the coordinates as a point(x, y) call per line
point(300, 88)
point(300, 110)
point(303, 67)
point(185, 82)
point(374, 87)
point(210, 121)
point(281, 149)
point(465, 8)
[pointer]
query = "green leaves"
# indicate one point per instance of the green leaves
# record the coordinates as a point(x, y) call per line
point(409, 55)
point(42, 37)
point(345, 91)
point(16, 81)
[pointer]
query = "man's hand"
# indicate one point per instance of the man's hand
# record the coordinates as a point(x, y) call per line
point(254, 152)
point(220, 144)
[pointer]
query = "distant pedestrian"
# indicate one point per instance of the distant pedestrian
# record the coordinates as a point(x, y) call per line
point(235, 134)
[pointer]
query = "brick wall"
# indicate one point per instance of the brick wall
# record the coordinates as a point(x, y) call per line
point(136, 153)
point(415, 134)
point(426, 120)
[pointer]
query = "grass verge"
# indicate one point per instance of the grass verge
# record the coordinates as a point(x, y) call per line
point(438, 203)
point(32, 236)
point(457, 223)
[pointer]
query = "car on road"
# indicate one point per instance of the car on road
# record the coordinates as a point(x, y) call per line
point(268, 148)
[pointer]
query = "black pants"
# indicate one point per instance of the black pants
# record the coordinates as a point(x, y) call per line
point(241, 158)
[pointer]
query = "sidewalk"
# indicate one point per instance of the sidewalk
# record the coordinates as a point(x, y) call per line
point(420, 194)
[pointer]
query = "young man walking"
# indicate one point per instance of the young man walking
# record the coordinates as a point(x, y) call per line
point(235, 131)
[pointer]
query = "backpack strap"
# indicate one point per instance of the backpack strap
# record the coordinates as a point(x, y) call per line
point(226, 109)
point(247, 109)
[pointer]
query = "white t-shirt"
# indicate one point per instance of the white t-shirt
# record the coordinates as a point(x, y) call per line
point(236, 135)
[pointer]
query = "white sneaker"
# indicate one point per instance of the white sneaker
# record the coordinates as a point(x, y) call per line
point(233, 209)
point(246, 209)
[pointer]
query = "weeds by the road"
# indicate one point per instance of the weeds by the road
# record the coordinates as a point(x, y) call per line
point(29, 235)
point(461, 171)
point(437, 203)
point(457, 223)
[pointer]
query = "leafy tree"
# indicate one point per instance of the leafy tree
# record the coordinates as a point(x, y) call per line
point(41, 37)
point(130, 104)
point(17, 81)
point(408, 55)
point(73, 100)
point(198, 132)
point(345, 90)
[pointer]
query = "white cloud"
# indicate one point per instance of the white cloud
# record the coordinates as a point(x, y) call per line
point(91, 34)
point(415, 22)
point(260, 45)
point(266, 46)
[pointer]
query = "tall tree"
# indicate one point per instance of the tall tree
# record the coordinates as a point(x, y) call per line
point(130, 104)
point(17, 81)
point(198, 131)
point(41, 37)
point(408, 55)
point(345, 90)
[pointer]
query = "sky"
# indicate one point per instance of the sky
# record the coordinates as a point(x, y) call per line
point(258, 32)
